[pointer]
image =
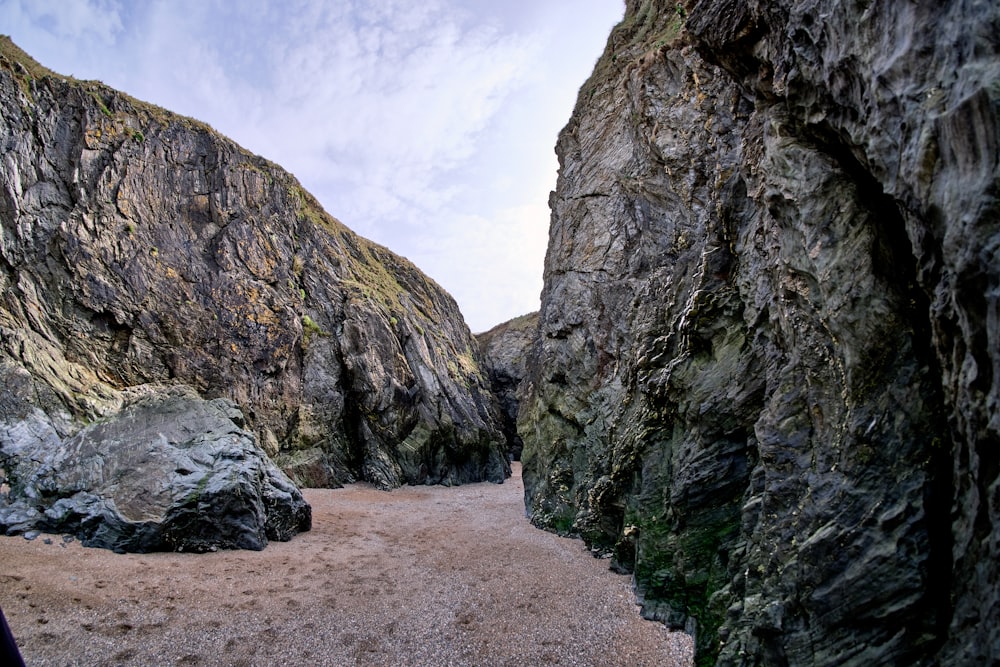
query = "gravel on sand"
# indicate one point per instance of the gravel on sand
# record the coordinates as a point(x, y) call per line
point(416, 576)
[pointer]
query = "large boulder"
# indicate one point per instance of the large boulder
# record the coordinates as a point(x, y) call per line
point(170, 471)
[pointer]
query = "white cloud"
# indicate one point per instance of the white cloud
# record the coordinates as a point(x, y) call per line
point(491, 264)
point(86, 19)
point(428, 127)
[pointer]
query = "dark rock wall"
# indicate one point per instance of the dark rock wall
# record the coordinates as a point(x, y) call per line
point(141, 247)
point(766, 374)
point(507, 348)
point(170, 472)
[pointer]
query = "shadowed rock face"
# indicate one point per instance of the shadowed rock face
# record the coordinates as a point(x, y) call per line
point(766, 373)
point(141, 247)
point(507, 348)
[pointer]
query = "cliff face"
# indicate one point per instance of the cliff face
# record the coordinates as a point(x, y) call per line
point(766, 378)
point(140, 247)
point(507, 348)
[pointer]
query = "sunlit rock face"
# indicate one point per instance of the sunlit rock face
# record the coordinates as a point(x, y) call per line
point(766, 376)
point(140, 247)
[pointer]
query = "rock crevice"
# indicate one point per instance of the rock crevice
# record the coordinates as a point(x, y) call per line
point(142, 248)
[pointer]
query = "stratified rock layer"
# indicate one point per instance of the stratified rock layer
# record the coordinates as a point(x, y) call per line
point(142, 247)
point(767, 373)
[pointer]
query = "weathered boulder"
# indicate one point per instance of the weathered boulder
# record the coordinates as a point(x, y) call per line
point(766, 378)
point(171, 471)
point(139, 247)
point(507, 347)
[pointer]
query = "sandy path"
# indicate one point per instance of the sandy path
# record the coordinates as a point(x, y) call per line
point(419, 576)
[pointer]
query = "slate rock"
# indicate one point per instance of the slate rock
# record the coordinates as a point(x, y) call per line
point(507, 348)
point(171, 471)
point(143, 247)
point(766, 374)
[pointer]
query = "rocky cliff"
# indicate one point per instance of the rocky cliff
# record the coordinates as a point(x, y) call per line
point(507, 348)
point(140, 247)
point(766, 378)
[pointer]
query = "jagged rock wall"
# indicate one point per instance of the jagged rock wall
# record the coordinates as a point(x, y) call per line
point(766, 378)
point(142, 247)
point(507, 347)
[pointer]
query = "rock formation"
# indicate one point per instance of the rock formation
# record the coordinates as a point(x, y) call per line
point(507, 347)
point(171, 472)
point(140, 247)
point(767, 378)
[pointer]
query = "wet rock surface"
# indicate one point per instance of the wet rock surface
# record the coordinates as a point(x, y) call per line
point(766, 373)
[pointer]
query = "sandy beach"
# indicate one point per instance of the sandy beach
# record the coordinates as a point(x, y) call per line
point(418, 576)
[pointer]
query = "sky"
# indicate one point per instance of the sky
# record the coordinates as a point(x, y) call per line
point(427, 126)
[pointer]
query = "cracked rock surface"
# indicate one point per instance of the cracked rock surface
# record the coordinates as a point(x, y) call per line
point(766, 377)
point(170, 472)
point(141, 247)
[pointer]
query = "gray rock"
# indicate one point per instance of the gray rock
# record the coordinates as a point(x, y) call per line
point(507, 348)
point(171, 471)
point(766, 373)
point(140, 247)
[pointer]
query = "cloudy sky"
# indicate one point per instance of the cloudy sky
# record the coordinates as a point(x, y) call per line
point(425, 125)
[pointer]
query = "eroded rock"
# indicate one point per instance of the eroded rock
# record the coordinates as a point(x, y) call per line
point(507, 348)
point(142, 247)
point(171, 471)
point(765, 379)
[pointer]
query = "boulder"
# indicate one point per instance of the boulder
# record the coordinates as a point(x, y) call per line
point(171, 471)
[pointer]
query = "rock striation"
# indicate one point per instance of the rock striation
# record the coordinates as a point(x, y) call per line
point(766, 375)
point(142, 248)
point(507, 348)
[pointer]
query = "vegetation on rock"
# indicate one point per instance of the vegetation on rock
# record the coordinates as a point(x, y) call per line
point(143, 247)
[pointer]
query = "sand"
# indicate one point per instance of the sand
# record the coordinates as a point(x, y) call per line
point(418, 576)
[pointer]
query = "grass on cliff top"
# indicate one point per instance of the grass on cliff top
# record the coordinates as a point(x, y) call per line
point(396, 287)
point(368, 264)
point(15, 54)
point(528, 322)
point(109, 101)
point(652, 26)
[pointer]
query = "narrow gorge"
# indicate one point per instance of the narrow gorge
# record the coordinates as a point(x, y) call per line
point(764, 380)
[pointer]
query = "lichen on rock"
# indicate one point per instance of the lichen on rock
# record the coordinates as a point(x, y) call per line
point(143, 247)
